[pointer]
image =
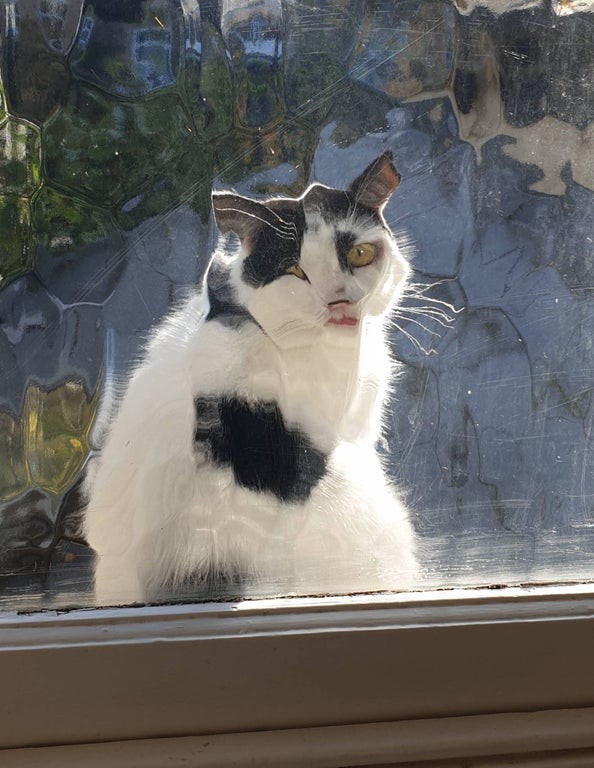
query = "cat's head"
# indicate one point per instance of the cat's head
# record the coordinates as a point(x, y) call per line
point(318, 264)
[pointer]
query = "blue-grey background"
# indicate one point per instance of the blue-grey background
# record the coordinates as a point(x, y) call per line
point(116, 118)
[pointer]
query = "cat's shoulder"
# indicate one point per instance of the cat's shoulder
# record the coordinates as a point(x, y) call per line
point(182, 323)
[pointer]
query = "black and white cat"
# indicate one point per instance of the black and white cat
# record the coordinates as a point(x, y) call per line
point(245, 443)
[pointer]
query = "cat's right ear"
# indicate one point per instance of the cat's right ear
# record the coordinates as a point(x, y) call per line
point(375, 185)
point(245, 217)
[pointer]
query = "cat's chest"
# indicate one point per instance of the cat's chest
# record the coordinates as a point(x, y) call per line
point(311, 387)
point(276, 422)
point(271, 417)
point(274, 425)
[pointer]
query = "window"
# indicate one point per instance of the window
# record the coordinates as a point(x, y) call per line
point(106, 173)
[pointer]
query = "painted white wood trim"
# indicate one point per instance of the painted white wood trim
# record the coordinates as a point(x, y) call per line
point(146, 624)
point(143, 673)
point(548, 734)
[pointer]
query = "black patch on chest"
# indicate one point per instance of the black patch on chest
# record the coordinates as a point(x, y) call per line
point(255, 442)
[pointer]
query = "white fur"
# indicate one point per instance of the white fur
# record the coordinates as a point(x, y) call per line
point(159, 510)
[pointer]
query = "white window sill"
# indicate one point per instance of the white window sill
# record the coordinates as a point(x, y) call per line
point(395, 678)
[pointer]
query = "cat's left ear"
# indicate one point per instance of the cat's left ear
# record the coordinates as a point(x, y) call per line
point(245, 217)
point(375, 185)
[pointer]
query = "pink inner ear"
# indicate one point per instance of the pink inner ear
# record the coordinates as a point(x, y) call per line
point(377, 182)
point(389, 176)
point(247, 241)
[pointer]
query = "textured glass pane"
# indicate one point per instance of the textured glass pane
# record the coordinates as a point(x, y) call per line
point(119, 119)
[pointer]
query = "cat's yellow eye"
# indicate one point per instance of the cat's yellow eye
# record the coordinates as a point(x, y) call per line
point(362, 254)
point(296, 270)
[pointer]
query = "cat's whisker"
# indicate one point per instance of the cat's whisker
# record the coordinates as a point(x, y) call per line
point(443, 319)
point(447, 308)
point(422, 296)
point(429, 311)
point(419, 291)
point(436, 306)
point(400, 316)
point(430, 331)
point(415, 342)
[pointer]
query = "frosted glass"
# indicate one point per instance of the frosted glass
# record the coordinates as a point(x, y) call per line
point(117, 119)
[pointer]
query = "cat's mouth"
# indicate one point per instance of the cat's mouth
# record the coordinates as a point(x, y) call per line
point(343, 313)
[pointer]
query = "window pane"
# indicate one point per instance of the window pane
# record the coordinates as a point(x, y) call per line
point(241, 457)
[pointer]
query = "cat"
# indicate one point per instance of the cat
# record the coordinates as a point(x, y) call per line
point(243, 451)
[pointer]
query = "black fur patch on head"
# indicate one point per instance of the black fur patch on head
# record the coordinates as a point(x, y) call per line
point(224, 307)
point(333, 206)
point(263, 452)
point(272, 231)
point(344, 241)
point(275, 246)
